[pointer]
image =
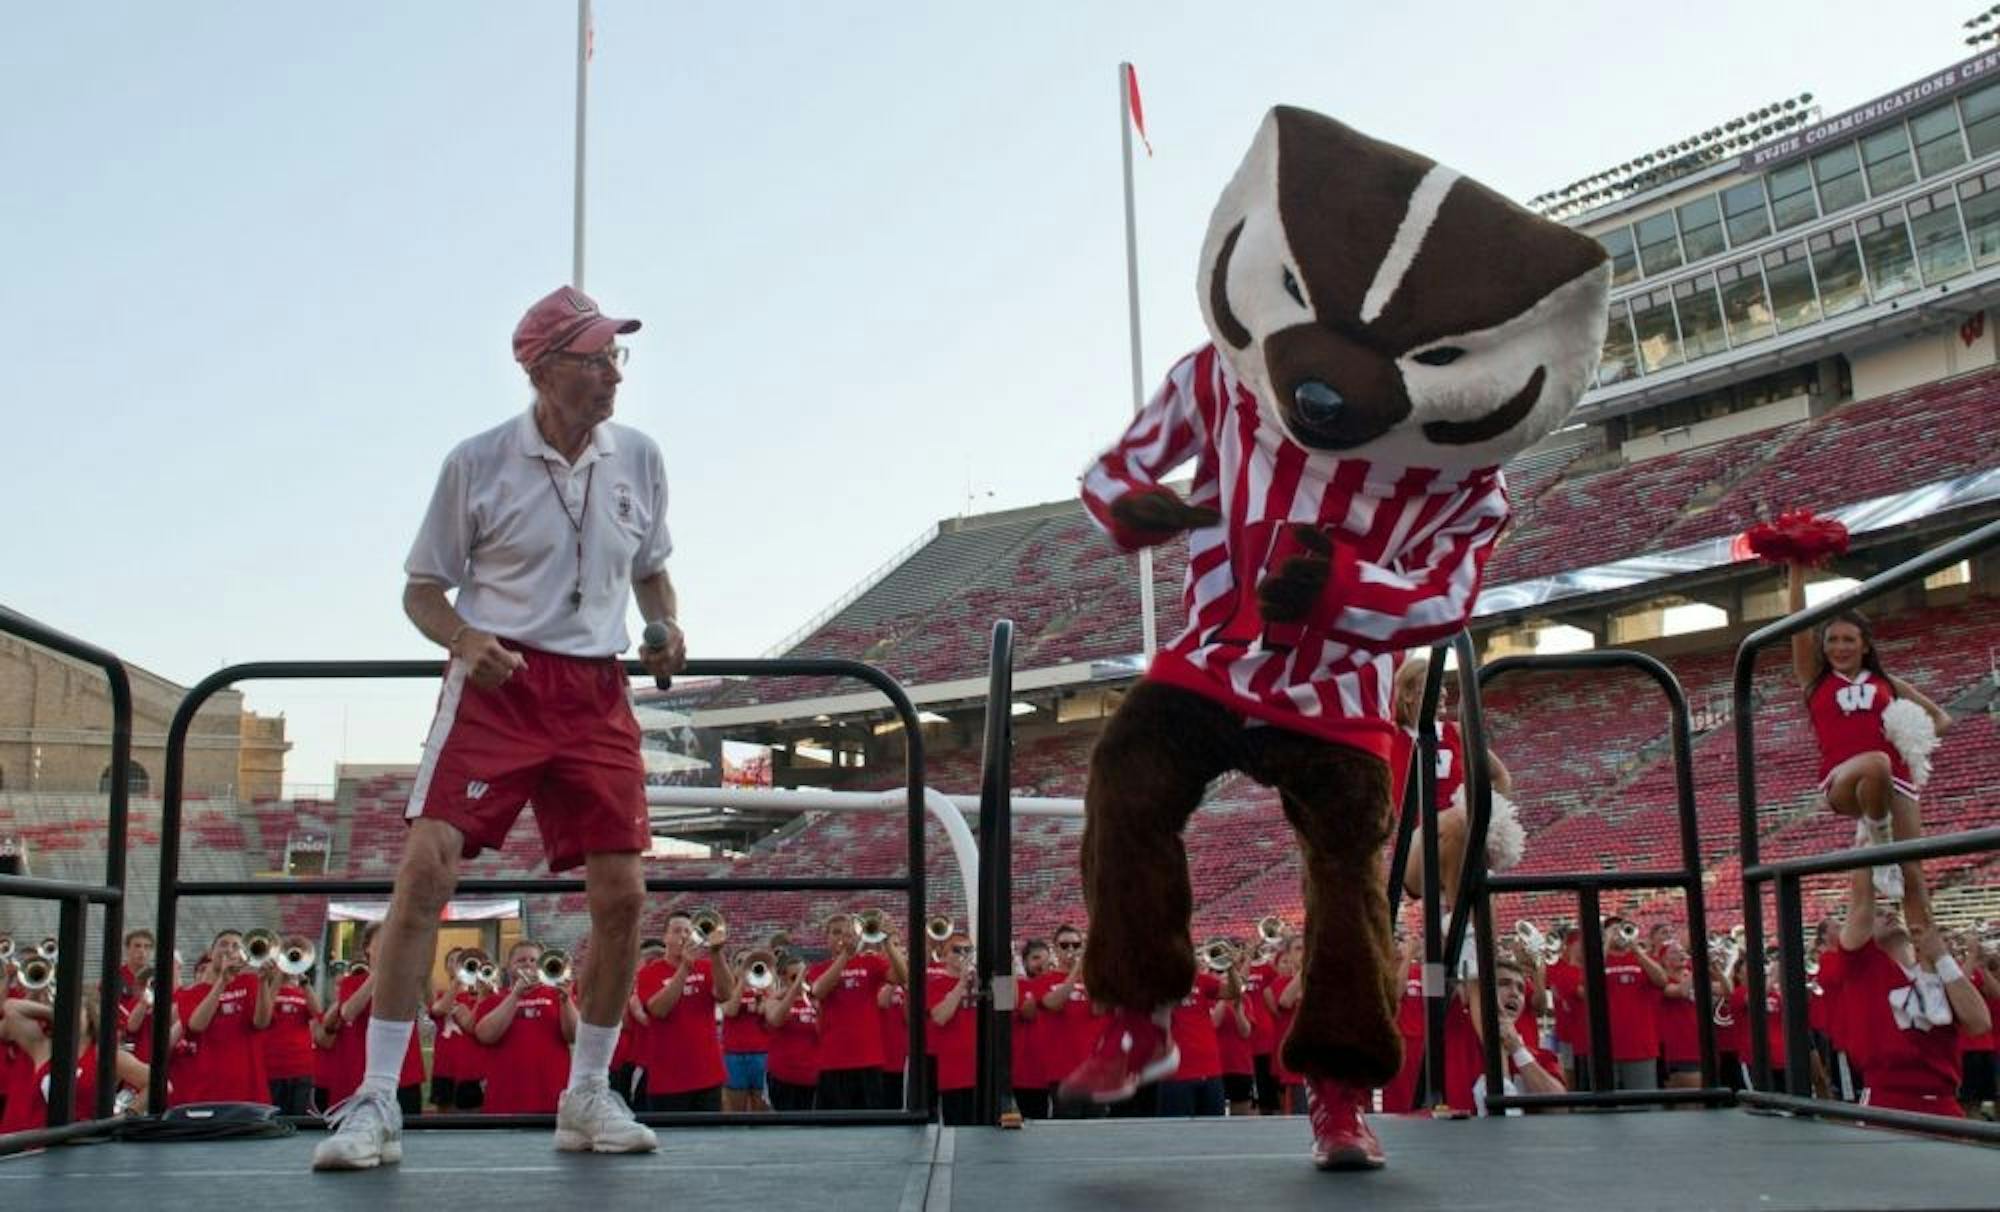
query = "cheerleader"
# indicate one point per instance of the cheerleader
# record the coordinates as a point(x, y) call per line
point(1868, 741)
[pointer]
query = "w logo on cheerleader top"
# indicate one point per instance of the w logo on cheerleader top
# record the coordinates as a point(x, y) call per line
point(1856, 696)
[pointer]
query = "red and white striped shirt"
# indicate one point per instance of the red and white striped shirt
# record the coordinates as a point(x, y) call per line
point(1409, 545)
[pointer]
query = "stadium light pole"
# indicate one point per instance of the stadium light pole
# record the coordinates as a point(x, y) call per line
point(1148, 628)
point(582, 97)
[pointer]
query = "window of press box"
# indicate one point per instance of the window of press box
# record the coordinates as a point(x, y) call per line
point(1982, 119)
point(1934, 229)
point(1659, 338)
point(1745, 309)
point(1701, 227)
point(1659, 243)
point(1886, 156)
point(1700, 310)
point(1792, 196)
point(1621, 359)
point(1836, 263)
point(1936, 134)
point(1979, 202)
point(1839, 175)
point(1789, 277)
point(1624, 260)
point(1744, 214)
point(1886, 253)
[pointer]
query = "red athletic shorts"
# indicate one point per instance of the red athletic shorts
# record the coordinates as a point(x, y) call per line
point(559, 732)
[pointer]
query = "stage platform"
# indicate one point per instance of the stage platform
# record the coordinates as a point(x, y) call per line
point(1678, 1161)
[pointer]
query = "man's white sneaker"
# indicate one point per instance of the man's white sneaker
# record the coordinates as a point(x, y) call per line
point(366, 1132)
point(591, 1119)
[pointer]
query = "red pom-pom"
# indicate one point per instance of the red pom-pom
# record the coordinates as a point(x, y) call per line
point(1796, 536)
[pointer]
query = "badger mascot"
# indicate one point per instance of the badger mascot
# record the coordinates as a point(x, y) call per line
point(1384, 334)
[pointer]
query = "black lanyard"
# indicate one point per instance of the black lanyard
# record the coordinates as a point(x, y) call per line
point(576, 524)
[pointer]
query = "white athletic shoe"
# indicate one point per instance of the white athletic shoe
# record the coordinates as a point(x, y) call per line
point(366, 1132)
point(591, 1119)
point(1889, 876)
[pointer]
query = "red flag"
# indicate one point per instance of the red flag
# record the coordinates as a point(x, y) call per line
point(1138, 110)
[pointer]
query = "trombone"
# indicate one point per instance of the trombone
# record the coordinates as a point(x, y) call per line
point(553, 968)
point(259, 947)
point(707, 928)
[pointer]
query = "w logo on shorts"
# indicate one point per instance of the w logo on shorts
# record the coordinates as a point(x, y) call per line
point(474, 789)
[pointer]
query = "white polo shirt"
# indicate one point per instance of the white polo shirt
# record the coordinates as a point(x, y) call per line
point(497, 531)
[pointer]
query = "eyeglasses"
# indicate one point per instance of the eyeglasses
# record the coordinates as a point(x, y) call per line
point(610, 358)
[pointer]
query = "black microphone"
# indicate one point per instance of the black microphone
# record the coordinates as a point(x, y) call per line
point(655, 636)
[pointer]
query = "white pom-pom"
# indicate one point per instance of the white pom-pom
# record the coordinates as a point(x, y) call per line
point(1911, 730)
point(1506, 839)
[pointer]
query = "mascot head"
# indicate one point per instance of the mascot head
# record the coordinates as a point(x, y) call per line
point(1382, 306)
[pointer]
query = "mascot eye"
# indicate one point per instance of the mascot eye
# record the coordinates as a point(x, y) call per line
point(1292, 288)
point(1443, 355)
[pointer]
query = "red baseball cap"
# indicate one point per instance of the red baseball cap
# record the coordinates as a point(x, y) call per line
point(565, 319)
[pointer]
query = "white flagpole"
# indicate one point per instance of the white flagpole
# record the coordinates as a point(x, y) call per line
point(1148, 625)
point(582, 95)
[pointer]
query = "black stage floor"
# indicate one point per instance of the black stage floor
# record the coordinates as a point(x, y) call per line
point(1679, 1161)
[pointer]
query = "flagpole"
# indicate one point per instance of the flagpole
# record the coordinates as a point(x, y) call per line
point(1148, 625)
point(582, 96)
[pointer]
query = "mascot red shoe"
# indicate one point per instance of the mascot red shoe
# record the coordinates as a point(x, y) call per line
point(1385, 333)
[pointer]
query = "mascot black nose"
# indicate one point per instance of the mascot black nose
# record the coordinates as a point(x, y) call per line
point(1318, 403)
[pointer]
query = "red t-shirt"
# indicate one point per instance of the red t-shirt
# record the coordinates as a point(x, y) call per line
point(893, 1022)
point(232, 1053)
point(1235, 1047)
point(1281, 1025)
point(955, 1043)
point(27, 1094)
point(794, 1054)
point(349, 1061)
point(1030, 1023)
point(1902, 1060)
point(686, 1051)
point(455, 1053)
point(1774, 1021)
point(1262, 1042)
point(1982, 1042)
point(1410, 1011)
point(1847, 720)
point(1069, 1031)
point(745, 1031)
point(1195, 1032)
point(850, 1031)
point(528, 1067)
point(1572, 1018)
point(1680, 1027)
point(1465, 1061)
point(288, 1046)
point(1632, 1003)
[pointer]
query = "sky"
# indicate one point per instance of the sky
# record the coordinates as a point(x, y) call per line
point(262, 262)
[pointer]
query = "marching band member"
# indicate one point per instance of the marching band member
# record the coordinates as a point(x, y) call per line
point(1680, 1028)
point(793, 1017)
point(1281, 998)
point(635, 1035)
point(287, 1043)
point(1632, 981)
point(1774, 1018)
point(746, 1039)
point(952, 1041)
point(1400, 1096)
point(528, 1027)
point(844, 988)
point(458, 1059)
point(1527, 1069)
point(1263, 1039)
point(225, 1015)
point(1030, 1073)
point(139, 948)
point(680, 991)
point(1572, 1014)
point(1910, 1002)
point(347, 1021)
point(1234, 1032)
point(1070, 1027)
point(1975, 1051)
point(892, 1019)
point(26, 1026)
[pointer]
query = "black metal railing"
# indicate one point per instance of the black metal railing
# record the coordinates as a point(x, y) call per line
point(1788, 875)
point(173, 888)
point(994, 947)
point(1477, 887)
point(74, 898)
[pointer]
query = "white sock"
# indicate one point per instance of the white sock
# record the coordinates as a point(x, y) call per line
point(1880, 831)
point(591, 1061)
point(388, 1043)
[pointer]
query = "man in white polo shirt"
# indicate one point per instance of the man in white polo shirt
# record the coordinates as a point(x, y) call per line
point(543, 525)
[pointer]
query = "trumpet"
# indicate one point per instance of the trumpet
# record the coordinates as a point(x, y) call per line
point(1627, 933)
point(873, 926)
point(489, 974)
point(938, 928)
point(47, 949)
point(1270, 929)
point(38, 972)
point(762, 971)
point(1218, 955)
point(357, 968)
point(259, 947)
point(553, 968)
point(707, 927)
point(142, 980)
point(297, 959)
point(1531, 936)
point(6, 947)
point(338, 969)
